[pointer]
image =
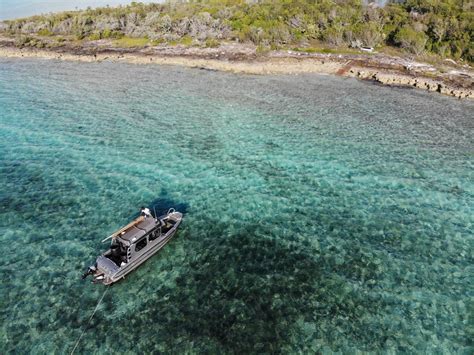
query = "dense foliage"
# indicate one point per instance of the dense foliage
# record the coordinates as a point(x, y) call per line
point(444, 27)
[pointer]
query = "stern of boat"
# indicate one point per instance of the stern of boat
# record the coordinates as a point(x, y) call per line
point(102, 271)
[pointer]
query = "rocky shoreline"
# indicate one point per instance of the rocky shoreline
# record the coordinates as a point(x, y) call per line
point(239, 58)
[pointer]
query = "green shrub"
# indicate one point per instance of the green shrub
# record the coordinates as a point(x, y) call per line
point(157, 41)
point(22, 41)
point(469, 53)
point(38, 43)
point(368, 34)
point(45, 32)
point(410, 39)
point(130, 42)
point(261, 49)
point(94, 36)
point(186, 40)
point(80, 34)
point(212, 43)
point(333, 36)
point(108, 33)
point(28, 41)
point(117, 34)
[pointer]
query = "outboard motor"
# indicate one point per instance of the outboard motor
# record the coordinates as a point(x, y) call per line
point(98, 279)
point(91, 270)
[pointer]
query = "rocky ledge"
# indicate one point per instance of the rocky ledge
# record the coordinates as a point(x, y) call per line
point(447, 78)
point(397, 79)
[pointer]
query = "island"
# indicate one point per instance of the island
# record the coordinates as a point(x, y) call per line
point(416, 43)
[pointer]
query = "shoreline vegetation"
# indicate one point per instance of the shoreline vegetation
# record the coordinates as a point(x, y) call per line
point(417, 43)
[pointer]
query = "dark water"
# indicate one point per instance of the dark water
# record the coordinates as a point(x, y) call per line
point(321, 213)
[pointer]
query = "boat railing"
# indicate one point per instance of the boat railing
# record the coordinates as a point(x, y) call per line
point(171, 210)
point(154, 210)
point(124, 229)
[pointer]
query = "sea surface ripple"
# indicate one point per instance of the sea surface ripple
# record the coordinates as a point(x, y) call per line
point(321, 213)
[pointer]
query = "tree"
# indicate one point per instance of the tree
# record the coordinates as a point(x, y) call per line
point(368, 34)
point(410, 39)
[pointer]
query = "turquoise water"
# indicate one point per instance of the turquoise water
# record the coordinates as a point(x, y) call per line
point(321, 213)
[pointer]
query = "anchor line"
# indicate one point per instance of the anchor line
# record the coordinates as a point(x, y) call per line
point(88, 322)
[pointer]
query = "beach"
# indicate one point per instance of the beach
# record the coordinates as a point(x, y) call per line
point(240, 58)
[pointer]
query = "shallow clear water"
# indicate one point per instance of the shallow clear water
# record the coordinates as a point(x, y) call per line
point(321, 213)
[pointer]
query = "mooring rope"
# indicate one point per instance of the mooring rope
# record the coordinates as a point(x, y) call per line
point(88, 322)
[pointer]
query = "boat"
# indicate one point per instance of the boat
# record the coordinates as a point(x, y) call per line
point(132, 245)
point(367, 49)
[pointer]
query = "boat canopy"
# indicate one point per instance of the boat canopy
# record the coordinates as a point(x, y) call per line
point(137, 231)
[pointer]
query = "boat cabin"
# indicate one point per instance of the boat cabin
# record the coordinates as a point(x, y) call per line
point(137, 239)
